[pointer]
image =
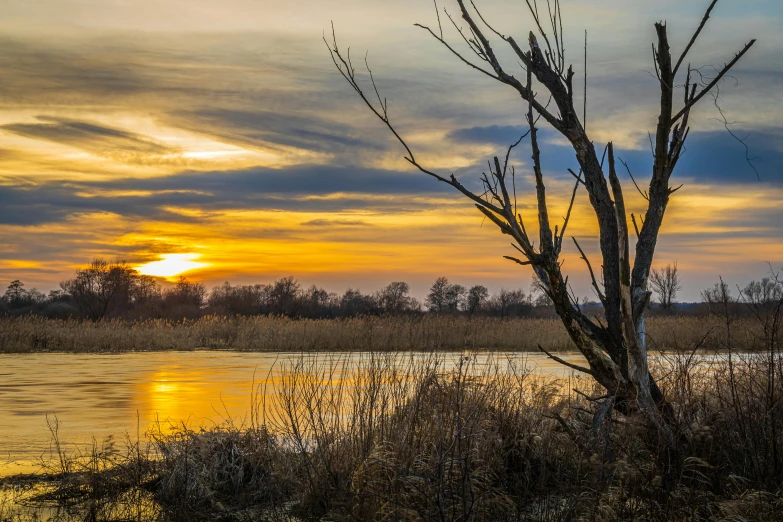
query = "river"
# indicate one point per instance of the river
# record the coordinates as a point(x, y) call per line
point(115, 396)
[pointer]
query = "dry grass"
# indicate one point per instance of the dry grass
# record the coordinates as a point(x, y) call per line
point(395, 438)
point(273, 334)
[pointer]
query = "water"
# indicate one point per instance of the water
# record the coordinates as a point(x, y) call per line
point(126, 395)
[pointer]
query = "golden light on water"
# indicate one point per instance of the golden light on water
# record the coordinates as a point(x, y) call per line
point(171, 265)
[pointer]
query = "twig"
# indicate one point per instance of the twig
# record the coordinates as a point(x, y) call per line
point(576, 367)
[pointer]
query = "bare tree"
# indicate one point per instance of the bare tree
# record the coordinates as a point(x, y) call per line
point(477, 298)
point(615, 349)
point(101, 288)
point(507, 303)
point(394, 299)
point(438, 298)
point(666, 283)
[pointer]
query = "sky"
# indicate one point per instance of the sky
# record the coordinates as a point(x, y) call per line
point(215, 139)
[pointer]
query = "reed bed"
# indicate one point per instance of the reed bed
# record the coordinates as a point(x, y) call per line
point(383, 334)
point(417, 439)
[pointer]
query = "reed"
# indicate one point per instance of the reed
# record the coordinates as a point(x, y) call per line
point(419, 438)
point(383, 334)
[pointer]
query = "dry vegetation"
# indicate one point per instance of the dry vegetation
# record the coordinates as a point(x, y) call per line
point(391, 333)
point(421, 441)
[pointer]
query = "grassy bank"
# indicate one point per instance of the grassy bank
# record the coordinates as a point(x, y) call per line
point(272, 334)
point(419, 443)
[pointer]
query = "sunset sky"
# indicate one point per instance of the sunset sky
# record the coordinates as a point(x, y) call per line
point(216, 136)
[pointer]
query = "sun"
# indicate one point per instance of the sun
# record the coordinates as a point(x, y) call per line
point(171, 265)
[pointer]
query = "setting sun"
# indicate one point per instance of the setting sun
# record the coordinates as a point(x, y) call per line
point(171, 265)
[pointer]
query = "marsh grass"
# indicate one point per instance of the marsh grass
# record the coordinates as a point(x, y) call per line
point(427, 437)
point(386, 334)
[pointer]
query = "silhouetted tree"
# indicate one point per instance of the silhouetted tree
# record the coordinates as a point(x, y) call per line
point(185, 299)
point(477, 298)
point(394, 298)
point(15, 295)
point(438, 298)
point(666, 283)
point(283, 296)
point(102, 288)
point(318, 303)
point(237, 300)
point(508, 303)
point(353, 303)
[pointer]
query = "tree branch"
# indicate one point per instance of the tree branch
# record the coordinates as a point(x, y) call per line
point(721, 74)
point(566, 363)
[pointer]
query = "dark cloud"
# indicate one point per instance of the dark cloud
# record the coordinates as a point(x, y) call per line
point(94, 138)
point(303, 188)
point(494, 134)
point(54, 202)
point(710, 157)
point(261, 128)
point(298, 181)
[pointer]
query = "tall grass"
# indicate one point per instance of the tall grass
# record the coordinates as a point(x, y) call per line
point(403, 333)
point(421, 438)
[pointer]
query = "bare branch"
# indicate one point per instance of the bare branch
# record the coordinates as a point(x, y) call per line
point(559, 244)
point(566, 363)
point(592, 274)
point(635, 226)
point(584, 108)
point(643, 194)
point(742, 141)
point(694, 37)
point(437, 14)
point(518, 261)
point(577, 177)
point(456, 53)
point(714, 82)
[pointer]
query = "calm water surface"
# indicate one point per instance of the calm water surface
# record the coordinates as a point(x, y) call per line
point(118, 395)
point(129, 394)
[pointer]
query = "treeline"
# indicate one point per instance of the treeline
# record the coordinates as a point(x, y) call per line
point(116, 290)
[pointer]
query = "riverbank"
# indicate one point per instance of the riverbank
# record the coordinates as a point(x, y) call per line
point(428, 442)
point(383, 334)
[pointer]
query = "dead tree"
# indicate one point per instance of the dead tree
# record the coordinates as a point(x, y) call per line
point(666, 283)
point(615, 349)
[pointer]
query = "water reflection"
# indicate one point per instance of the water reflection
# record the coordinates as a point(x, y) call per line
point(106, 396)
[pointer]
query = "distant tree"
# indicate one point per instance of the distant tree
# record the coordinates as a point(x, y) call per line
point(58, 296)
point(186, 297)
point(508, 303)
point(455, 297)
point(317, 302)
point(666, 284)
point(284, 295)
point(145, 290)
point(538, 294)
point(101, 288)
point(477, 298)
point(354, 303)
point(236, 300)
point(438, 298)
point(719, 293)
point(395, 299)
point(15, 296)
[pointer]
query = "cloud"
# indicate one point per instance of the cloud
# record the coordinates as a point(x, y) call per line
point(313, 188)
point(261, 128)
point(494, 134)
point(91, 137)
point(713, 156)
point(335, 222)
